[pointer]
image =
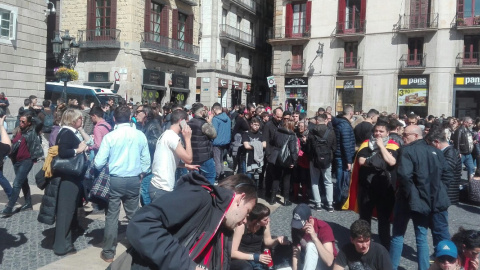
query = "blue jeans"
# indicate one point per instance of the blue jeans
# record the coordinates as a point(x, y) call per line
point(467, 160)
point(402, 216)
point(21, 169)
point(5, 184)
point(179, 173)
point(207, 169)
point(144, 189)
point(439, 227)
point(339, 169)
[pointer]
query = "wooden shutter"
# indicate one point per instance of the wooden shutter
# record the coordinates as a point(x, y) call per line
point(460, 11)
point(148, 14)
point(12, 27)
point(91, 14)
point(175, 24)
point(308, 19)
point(164, 21)
point(113, 15)
point(341, 16)
point(363, 14)
point(289, 20)
point(189, 30)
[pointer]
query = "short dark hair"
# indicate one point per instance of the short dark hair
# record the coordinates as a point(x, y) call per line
point(254, 120)
point(177, 116)
point(196, 107)
point(122, 114)
point(287, 113)
point(97, 111)
point(322, 116)
point(32, 97)
point(320, 109)
point(436, 134)
point(382, 124)
point(27, 102)
point(263, 114)
point(393, 124)
point(250, 106)
point(360, 228)
point(469, 238)
point(296, 113)
point(372, 113)
point(46, 103)
point(216, 106)
point(86, 103)
point(259, 212)
point(240, 183)
point(176, 106)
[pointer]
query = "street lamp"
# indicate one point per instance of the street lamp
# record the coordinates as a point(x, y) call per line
point(70, 48)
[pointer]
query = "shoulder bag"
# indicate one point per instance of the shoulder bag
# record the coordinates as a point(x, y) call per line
point(74, 166)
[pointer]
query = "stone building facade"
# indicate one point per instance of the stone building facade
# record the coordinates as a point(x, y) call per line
point(22, 50)
point(145, 50)
point(417, 56)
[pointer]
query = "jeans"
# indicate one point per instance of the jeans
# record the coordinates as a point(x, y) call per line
point(325, 174)
point(122, 190)
point(218, 157)
point(207, 169)
point(339, 169)
point(402, 215)
point(247, 265)
point(5, 184)
point(439, 227)
point(467, 160)
point(312, 260)
point(21, 169)
point(144, 190)
point(155, 193)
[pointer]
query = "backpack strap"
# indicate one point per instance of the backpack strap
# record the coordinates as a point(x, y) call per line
point(325, 136)
point(105, 126)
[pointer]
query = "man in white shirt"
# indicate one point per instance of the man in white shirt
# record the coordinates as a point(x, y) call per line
point(168, 152)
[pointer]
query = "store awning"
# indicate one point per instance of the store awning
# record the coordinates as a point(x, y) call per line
point(154, 87)
point(179, 89)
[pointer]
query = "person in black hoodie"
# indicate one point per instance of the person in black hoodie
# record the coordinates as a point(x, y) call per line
point(169, 234)
point(284, 135)
point(396, 130)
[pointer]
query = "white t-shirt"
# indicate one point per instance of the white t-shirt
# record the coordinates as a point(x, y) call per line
point(165, 161)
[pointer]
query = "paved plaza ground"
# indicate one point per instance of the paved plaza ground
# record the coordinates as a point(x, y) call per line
point(27, 244)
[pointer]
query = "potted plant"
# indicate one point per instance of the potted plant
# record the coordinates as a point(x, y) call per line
point(460, 21)
point(66, 74)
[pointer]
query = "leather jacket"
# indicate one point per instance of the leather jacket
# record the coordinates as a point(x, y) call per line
point(461, 140)
point(34, 142)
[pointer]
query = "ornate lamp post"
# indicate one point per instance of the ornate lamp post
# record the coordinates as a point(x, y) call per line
point(70, 48)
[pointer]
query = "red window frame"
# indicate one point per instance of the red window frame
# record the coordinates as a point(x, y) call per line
point(415, 51)
point(106, 15)
point(297, 57)
point(470, 50)
point(350, 55)
point(289, 23)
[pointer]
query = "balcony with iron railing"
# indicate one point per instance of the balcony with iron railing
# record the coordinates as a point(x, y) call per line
point(417, 23)
point(348, 65)
point(99, 38)
point(295, 67)
point(292, 35)
point(248, 5)
point(154, 43)
point(468, 61)
point(413, 62)
point(468, 25)
point(350, 30)
point(240, 37)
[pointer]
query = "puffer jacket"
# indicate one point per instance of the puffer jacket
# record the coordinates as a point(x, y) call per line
point(345, 139)
point(34, 142)
point(281, 137)
point(152, 131)
point(461, 142)
point(223, 126)
point(423, 177)
point(454, 161)
point(48, 208)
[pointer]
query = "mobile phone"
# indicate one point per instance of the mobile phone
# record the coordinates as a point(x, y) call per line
point(183, 124)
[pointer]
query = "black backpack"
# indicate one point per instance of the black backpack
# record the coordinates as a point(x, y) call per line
point(48, 122)
point(322, 155)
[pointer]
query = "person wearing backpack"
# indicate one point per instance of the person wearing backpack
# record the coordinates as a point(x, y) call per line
point(321, 144)
point(283, 159)
point(47, 117)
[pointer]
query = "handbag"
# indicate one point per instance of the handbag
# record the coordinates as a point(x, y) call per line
point(284, 158)
point(74, 166)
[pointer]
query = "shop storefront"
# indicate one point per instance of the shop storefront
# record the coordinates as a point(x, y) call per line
point(349, 92)
point(466, 95)
point(222, 92)
point(296, 93)
point(236, 93)
point(153, 87)
point(413, 95)
point(179, 89)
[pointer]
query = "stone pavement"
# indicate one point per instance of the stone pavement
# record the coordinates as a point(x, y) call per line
point(27, 244)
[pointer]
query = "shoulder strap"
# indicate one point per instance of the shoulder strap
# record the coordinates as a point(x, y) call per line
point(105, 126)
point(325, 136)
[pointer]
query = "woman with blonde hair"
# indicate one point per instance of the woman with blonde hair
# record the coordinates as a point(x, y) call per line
point(71, 140)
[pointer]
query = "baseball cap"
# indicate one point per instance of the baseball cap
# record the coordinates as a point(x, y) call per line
point(446, 247)
point(301, 214)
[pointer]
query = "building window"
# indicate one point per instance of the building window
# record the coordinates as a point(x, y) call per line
point(297, 21)
point(299, 16)
point(224, 16)
point(471, 8)
point(297, 58)
point(351, 16)
point(155, 19)
point(415, 51)
point(351, 54)
point(471, 49)
point(101, 19)
point(182, 19)
point(8, 21)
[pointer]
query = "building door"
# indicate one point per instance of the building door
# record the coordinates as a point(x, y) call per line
point(419, 14)
point(415, 51)
point(297, 58)
point(471, 48)
point(351, 51)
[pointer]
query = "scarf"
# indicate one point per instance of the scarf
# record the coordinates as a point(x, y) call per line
point(372, 143)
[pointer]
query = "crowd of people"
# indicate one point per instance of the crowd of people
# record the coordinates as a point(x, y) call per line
point(153, 159)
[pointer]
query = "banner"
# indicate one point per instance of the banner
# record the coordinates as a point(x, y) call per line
point(412, 97)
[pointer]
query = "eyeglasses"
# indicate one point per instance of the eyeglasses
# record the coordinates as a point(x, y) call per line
point(137, 112)
point(22, 121)
point(445, 258)
point(408, 134)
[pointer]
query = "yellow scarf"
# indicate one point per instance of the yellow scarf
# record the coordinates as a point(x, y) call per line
point(52, 152)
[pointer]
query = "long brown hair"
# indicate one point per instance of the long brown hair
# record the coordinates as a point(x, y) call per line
point(290, 125)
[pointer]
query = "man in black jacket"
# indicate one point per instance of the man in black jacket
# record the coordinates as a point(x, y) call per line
point(269, 131)
point(422, 177)
point(439, 220)
point(463, 142)
point(170, 234)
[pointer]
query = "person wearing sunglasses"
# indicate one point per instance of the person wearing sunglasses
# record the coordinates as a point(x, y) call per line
point(445, 256)
point(468, 246)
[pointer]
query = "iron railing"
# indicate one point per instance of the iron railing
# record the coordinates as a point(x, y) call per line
point(295, 66)
point(351, 27)
point(99, 38)
point(224, 64)
point(237, 35)
point(348, 64)
point(468, 60)
point(238, 68)
point(413, 61)
point(249, 5)
point(289, 32)
point(418, 21)
point(462, 21)
point(180, 48)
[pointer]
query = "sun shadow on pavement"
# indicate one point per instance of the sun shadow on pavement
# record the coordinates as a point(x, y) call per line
point(8, 241)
